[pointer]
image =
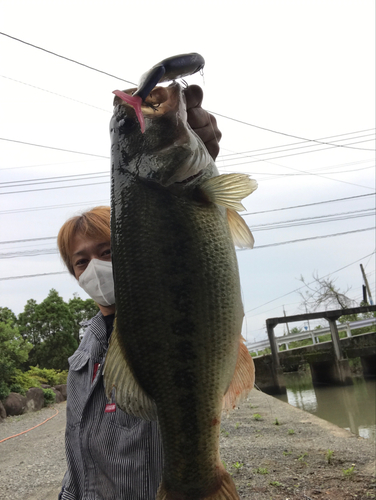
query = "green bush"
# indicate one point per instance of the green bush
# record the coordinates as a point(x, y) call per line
point(17, 388)
point(4, 390)
point(49, 397)
point(25, 380)
point(48, 376)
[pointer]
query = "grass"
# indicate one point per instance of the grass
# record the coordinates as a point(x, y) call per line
point(286, 453)
point(349, 473)
point(276, 422)
point(257, 416)
point(291, 431)
point(275, 483)
point(329, 455)
point(237, 465)
point(261, 470)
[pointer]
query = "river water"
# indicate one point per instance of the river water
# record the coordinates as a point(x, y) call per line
point(351, 407)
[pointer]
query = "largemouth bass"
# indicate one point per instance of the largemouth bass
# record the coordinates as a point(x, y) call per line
point(176, 353)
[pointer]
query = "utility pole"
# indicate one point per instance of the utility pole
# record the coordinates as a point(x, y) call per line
point(309, 326)
point(367, 285)
point(288, 329)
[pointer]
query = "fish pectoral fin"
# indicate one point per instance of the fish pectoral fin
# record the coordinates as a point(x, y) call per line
point(242, 381)
point(130, 397)
point(240, 232)
point(228, 190)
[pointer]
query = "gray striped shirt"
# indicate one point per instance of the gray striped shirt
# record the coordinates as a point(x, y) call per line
point(110, 454)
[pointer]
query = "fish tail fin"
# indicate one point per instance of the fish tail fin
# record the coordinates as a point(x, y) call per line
point(243, 379)
point(228, 190)
point(226, 489)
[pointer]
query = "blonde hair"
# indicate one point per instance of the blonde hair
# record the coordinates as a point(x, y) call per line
point(94, 223)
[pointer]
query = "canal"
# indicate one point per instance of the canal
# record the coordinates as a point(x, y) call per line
point(351, 407)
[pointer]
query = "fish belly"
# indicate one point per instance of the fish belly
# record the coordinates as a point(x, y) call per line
point(179, 317)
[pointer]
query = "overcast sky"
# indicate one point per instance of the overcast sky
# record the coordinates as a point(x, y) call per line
point(299, 74)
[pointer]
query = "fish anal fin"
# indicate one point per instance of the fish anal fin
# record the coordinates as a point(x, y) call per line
point(225, 489)
point(130, 397)
point(228, 189)
point(243, 380)
point(240, 232)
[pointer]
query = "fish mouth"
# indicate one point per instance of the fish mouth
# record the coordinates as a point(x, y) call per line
point(160, 101)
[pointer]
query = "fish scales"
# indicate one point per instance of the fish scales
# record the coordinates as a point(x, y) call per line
point(178, 305)
point(180, 291)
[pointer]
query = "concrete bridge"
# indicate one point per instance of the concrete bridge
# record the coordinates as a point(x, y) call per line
point(328, 360)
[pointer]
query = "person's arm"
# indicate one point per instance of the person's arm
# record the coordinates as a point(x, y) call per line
point(203, 123)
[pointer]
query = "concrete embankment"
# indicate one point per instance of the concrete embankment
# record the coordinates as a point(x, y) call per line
point(273, 450)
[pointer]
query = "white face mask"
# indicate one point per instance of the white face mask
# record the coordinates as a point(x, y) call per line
point(98, 282)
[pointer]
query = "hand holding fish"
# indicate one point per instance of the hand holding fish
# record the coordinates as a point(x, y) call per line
point(203, 123)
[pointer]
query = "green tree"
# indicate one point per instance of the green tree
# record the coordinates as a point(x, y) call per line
point(14, 351)
point(7, 316)
point(27, 322)
point(49, 327)
point(82, 310)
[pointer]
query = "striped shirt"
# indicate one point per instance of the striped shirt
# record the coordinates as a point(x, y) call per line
point(110, 454)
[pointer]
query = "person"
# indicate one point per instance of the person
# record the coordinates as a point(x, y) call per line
point(110, 455)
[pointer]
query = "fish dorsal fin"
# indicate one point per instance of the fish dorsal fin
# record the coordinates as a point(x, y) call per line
point(242, 381)
point(228, 189)
point(240, 232)
point(130, 397)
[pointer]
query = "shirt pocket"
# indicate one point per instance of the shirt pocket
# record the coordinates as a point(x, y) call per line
point(125, 421)
point(78, 386)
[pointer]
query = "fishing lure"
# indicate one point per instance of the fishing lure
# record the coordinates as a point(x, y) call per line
point(169, 69)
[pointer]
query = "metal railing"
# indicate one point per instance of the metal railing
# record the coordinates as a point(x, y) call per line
point(313, 334)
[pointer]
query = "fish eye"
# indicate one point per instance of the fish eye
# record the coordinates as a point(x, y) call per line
point(125, 125)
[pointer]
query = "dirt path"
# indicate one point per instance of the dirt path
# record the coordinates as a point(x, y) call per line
point(267, 461)
point(32, 465)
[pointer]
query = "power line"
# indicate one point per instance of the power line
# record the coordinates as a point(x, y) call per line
point(55, 93)
point(79, 185)
point(49, 251)
point(27, 240)
point(282, 149)
point(308, 239)
point(255, 228)
point(50, 180)
point(314, 220)
point(282, 156)
point(57, 187)
point(48, 164)
point(31, 275)
point(214, 113)
point(245, 153)
point(101, 202)
point(303, 286)
point(309, 204)
point(67, 58)
point(284, 133)
point(51, 147)
point(53, 207)
point(40, 180)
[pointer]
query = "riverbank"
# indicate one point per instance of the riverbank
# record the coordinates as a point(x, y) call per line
point(267, 461)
